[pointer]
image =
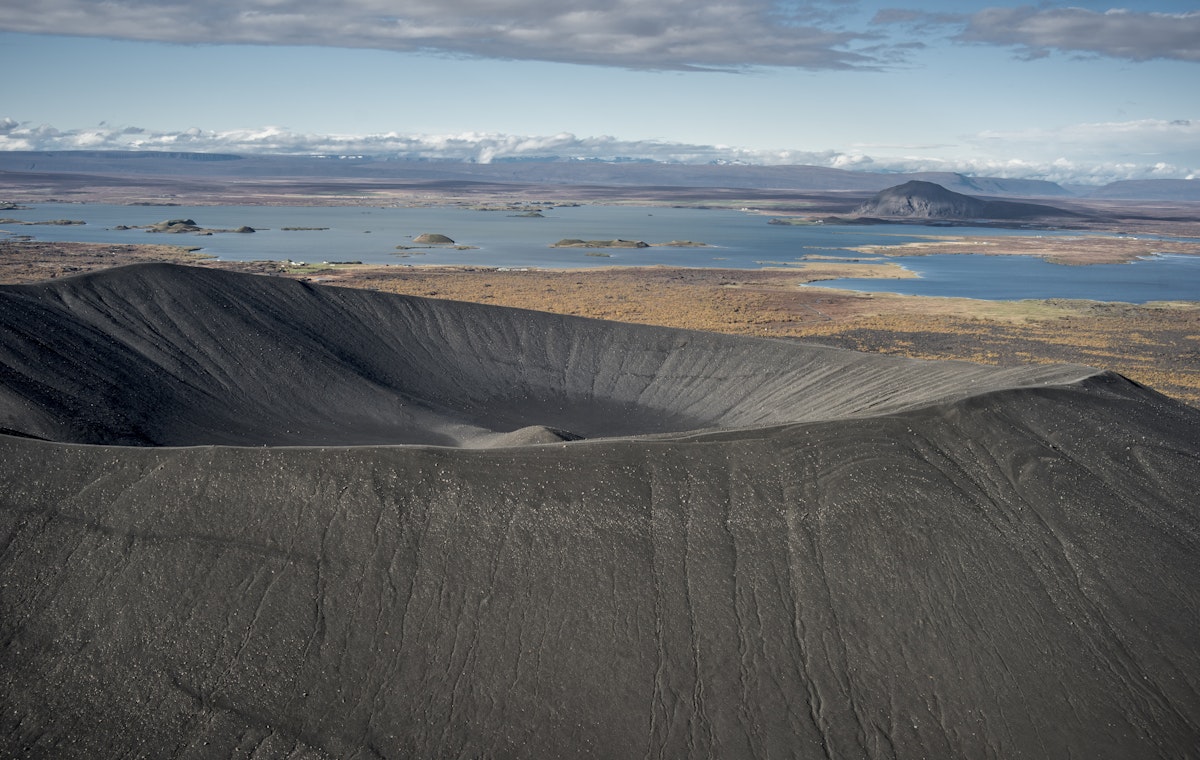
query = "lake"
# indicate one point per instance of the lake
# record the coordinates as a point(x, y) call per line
point(735, 239)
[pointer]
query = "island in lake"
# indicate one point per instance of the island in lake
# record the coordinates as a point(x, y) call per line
point(434, 240)
point(622, 243)
point(180, 226)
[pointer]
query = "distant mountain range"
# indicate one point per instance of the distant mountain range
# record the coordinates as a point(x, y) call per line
point(565, 171)
point(1151, 189)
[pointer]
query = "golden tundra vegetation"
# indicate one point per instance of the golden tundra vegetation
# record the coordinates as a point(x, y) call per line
point(1156, 344)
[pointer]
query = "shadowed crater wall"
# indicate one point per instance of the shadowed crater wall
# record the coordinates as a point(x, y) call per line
point(171, 355)
point(763, 549)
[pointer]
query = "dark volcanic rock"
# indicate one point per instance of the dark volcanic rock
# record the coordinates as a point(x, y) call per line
point(926, 200)
point(763, 549)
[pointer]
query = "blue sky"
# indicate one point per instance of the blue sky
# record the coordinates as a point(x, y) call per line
point(1086, 92)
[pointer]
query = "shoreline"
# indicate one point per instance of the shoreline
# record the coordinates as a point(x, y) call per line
point(1068, 250)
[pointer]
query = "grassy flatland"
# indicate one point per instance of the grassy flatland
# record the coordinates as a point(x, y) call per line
point(31, 261)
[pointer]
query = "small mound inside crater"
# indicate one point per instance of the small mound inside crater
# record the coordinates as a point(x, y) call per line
point(532, 435)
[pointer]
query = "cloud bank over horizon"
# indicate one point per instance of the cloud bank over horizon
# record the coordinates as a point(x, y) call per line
point(1155, 149)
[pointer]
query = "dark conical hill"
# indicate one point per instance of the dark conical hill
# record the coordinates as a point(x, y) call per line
point(928, 200)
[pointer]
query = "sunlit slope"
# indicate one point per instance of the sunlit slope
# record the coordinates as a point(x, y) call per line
point(170, 355)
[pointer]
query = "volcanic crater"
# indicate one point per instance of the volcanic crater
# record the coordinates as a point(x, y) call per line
point(243, 516)
point(166, 355)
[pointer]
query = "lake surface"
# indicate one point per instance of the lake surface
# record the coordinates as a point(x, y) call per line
point(502, 239)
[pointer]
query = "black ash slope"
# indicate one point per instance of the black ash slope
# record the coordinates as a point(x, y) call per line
point(1001, 564)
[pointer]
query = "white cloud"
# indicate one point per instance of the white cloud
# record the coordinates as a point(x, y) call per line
point(651, 34)
point(1089, 154)
point(1141, 142)
point(1061, 170)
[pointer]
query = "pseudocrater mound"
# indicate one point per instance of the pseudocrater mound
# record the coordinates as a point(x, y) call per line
point(155, 355)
